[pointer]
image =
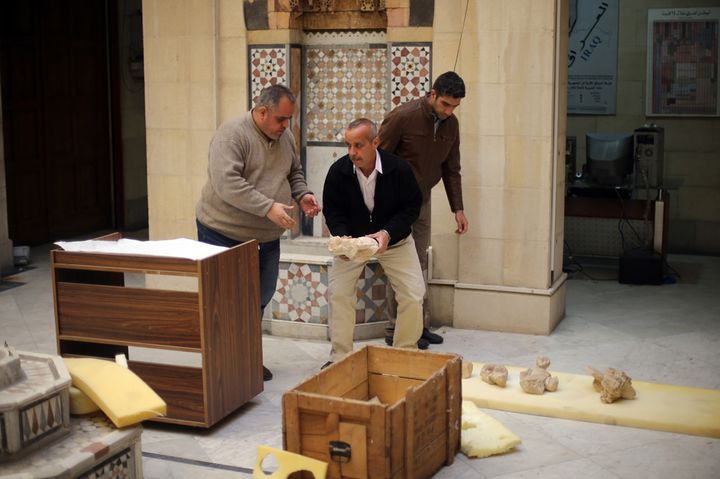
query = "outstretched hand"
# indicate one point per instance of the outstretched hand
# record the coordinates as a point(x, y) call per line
point(309, 205)
point(279, 214)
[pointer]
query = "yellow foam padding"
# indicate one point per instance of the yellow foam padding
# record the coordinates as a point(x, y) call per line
point(288, 462)
point(120, 393)
point(660, 407)
point(80, 404)
point(483, 435)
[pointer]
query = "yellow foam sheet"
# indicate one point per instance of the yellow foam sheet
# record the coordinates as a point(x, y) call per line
point(120, 393)
point(661, 407)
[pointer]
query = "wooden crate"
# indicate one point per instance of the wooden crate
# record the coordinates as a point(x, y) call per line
point(409, 431)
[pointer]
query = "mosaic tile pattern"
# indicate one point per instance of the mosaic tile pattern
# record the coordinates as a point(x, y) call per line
point(409, 73)
point(301, 293)
point(342, 84)
point(119, 467)
point(41, 419)
point(268, 66)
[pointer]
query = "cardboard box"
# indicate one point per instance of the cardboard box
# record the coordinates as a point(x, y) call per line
point(379, 413)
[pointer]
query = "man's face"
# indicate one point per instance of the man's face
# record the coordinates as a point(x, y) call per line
point(274, 121)
point(443, 106)
point(361, 149)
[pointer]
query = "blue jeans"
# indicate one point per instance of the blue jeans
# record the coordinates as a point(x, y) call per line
point(269, 260)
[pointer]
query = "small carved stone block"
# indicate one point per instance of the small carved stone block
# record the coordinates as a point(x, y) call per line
point(612, 385)
point(537, 380)
point(494, 374)
point(467, 367)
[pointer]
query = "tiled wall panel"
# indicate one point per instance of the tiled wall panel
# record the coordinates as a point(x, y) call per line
point(342, 84)
point(268, 66)
point(409, 72)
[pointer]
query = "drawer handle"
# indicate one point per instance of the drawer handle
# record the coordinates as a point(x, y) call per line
point(340, 451)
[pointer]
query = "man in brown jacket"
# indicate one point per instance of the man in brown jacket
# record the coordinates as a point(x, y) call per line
point(425, 133)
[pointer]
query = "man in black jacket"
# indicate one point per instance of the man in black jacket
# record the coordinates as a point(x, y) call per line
point(370, 192)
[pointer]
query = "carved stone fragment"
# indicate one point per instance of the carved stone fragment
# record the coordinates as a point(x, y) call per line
point(537, 380)
point(494, 374)
point(612, 385)
point(467, 367)
point(357, 249)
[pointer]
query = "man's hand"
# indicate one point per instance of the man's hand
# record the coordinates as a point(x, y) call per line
point(462, 222)
point(309, 205)
point(383, 238)
point(278, 215)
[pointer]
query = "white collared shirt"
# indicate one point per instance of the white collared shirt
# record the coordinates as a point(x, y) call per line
point(367, 183)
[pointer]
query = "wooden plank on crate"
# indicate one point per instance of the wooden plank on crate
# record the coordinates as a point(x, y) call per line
point(410, 434)
point(356, 436)
point(346, 408)
point(404, 362)
point(376, 446)
point(389, 389)
point(396, 444)
point(360, 392)
point(431, 458)
point(429, 422)
point(454, 409)
point(132, 315)
point(291, 423)
point(332, 433)
point(340, 378)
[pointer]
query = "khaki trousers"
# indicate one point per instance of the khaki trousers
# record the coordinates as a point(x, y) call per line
point(421, 236)
point(401, 265)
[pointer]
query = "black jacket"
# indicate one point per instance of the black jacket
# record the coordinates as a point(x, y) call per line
point(397, 200)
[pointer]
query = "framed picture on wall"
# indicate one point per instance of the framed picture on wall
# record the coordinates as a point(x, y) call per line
point(682, 62)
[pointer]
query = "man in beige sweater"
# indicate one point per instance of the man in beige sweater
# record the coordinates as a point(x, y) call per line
point(253, 175)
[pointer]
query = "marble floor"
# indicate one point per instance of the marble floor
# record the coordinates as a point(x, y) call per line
point(668, 334)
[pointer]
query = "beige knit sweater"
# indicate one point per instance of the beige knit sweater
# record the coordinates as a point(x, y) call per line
point(246, 174)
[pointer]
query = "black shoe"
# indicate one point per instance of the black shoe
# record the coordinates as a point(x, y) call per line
point(326, 365)
point(389, 339)
point(431, 337)
point(267, 374)
point(423, 343)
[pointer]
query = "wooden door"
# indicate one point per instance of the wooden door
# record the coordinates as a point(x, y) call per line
point(55, 118)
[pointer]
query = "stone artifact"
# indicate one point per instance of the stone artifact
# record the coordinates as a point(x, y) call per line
point(494, 374)
point(612, 385)
point(34, 402)
point(537, 380)
point(357, 249)
point(467, 367)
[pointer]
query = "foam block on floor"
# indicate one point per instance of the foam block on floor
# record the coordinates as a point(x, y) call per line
point(661, 407)
point(118, 392)
point(483, 435)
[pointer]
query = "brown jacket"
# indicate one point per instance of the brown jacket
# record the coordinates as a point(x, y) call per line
point(407, 131)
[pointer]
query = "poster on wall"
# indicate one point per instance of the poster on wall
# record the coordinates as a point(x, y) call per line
point(682, 62)
point(592, 57)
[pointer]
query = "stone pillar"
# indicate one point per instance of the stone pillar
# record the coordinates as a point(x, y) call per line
point(505, 274)
point(195, 78)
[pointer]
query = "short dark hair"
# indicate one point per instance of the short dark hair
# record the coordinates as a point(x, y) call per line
point(449, 84)
point(271, 96)
point(372, 127)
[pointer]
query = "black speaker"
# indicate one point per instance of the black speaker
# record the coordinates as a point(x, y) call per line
point(641, 266)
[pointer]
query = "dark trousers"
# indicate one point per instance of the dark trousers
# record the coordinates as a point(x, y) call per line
point(269, 260)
